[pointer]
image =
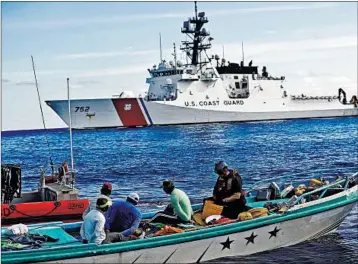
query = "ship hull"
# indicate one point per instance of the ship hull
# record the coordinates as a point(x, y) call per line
point(136, 112)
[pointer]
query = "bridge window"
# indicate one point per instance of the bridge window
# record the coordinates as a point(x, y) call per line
point(236, 77)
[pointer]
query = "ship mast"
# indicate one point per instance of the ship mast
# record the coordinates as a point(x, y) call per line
point(193, 28)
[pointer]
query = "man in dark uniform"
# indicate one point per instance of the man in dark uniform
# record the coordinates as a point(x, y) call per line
point(228, 191)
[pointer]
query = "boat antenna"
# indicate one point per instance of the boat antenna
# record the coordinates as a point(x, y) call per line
point(175, 55)
point(223, 51)
point(196, 10)
point(42, 114)
point(242, 49)
point(160, 47)
point(69, 114)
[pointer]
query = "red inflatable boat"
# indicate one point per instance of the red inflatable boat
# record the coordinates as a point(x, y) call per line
point(53, 201)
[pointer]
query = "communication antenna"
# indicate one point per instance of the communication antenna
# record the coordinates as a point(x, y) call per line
point(243, 56)
point(42, 115)
point(196, 10)
point(223, 51)
point(160, 47)
point(175, 55)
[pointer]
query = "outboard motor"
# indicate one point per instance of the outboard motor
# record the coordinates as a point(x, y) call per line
point(342, 92)
point(354, 101)
point(10, 182)
point(351, 182)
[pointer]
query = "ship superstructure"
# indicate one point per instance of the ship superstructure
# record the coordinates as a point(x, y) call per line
point(205, 89)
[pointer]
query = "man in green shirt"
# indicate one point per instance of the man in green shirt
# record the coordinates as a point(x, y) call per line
point(179, 210)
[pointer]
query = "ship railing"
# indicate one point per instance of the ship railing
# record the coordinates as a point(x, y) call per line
point(188, 76)
point(304, 97)
point(270, 78)
point(194, 19)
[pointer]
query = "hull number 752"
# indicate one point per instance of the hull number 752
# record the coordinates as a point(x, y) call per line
point(82, 108)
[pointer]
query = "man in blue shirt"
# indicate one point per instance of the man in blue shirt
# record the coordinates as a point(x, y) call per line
point(122, 219)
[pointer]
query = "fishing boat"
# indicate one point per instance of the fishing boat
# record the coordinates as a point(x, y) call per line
point(52, 201)
point(316, 212)
point(205, 89)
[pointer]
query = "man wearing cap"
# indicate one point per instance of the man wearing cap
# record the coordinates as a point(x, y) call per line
point(228, 191)
point(179, 210)
point(122, 219)
point(106, 191)
point(92, 228)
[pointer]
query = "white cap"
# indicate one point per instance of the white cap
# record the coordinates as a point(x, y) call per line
point(134, 197)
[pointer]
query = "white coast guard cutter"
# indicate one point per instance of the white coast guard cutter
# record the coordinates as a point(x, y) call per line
point(205, 90)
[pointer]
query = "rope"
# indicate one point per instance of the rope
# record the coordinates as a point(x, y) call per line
point(42, 114)
point(13, 209)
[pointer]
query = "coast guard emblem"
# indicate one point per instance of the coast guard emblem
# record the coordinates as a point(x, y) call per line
point(127, 107)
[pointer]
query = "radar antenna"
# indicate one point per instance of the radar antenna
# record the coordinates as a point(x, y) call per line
point(193, 28)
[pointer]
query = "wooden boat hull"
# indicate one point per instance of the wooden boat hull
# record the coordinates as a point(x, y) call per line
point(300, 223)
point(32, 212)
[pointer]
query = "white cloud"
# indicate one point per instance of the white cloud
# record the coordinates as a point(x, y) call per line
point(140, 68)
point(76, 86)
point(340, 79)
point(124, 52)
point(28, 74)
point(273, 9)
point(270, 32)
point(49, 24)
point(255, 49)
point(308, 80)
point(270, 52)
point(25, 83)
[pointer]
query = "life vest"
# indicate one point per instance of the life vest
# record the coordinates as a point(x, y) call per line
point(65, 166)
point(315, 182)
point(166, 230)
point(245, 216)
point(210, 208)
point(62, 171)
point(224, 188)
point(258, 212)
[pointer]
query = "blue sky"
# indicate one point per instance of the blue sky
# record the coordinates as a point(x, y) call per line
point(106, 47)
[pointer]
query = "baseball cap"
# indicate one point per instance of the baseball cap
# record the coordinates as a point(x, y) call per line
point(103, 202)
point(107, 185)
point(167, 184)
point(134, 197)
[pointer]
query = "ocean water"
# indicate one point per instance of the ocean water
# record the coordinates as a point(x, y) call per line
point(139, 159)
